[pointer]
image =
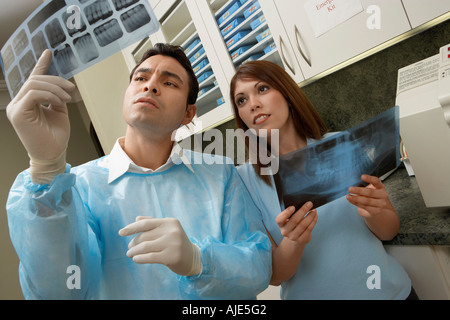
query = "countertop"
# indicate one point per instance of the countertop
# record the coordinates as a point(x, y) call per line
point(419, 225)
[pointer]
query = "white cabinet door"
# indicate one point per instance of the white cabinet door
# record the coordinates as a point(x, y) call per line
point(427, 267)
point(384, 20)
point(239, 32)
point(161, 7)
point(281, 40)
point(421, 11)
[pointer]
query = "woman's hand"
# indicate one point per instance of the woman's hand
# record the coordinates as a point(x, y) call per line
point(297, 225)
point(375, 207)
point(371, 200)
point(296, 228)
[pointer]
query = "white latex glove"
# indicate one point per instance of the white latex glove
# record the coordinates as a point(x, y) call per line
point(44, 131)
point(163, 241)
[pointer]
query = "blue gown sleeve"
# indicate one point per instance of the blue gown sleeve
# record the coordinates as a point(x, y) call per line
point(49, 228)
point(239, 266)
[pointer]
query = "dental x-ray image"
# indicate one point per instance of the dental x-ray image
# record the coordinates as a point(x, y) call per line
point(99, 10)
point(80, 33)
point(323, 171)
point(135, 18)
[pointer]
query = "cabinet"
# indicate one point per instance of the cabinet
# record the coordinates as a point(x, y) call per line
point(220, 35)
point(236, 32)
point(240, 33)
point(428, 267)
point(347, 40)
point(231, 32)
point(198, 26)
point(420, 12)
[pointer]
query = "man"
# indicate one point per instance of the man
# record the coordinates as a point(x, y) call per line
point(146, 221)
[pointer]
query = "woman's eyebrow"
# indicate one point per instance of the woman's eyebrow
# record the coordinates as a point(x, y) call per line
point(256, 84)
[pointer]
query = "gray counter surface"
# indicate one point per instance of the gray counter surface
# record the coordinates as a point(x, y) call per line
point(419, 225)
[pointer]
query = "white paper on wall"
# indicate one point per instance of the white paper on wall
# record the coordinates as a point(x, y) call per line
point(324, 15)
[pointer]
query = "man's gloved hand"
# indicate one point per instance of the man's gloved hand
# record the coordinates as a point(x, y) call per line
point(163, 241)
point(44, 131)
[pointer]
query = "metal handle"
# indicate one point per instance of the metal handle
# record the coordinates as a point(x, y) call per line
point(297, 36)
point(282, 56)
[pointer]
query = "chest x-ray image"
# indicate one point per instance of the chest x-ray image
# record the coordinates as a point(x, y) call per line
point(324, 170)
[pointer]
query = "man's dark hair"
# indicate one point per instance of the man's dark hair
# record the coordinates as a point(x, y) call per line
point(177, 53)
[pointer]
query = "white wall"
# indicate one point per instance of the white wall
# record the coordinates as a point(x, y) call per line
point(110, 78)
point(13, 160)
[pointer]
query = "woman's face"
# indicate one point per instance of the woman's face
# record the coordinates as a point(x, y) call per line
point(260, 106)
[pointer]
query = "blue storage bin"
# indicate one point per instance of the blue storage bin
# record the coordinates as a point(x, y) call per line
point(254, 57)
point(240, 51)
point(191, 46)
point(205, 75)
point(231, 26)
point(220, 101)
point(197, 55)
point(254, 24)
point(270, 47)
point(260, 37)
point(248, 12)
point(236, 5)
point(201, 65)
point(238, 36)
point(204, 90)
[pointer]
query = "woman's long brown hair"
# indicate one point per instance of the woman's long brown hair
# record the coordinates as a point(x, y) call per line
point(306, 119)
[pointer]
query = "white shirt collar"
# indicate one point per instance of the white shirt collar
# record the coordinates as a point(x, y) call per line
point(118, 162)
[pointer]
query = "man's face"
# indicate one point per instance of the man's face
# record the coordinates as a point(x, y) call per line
point(156, 98)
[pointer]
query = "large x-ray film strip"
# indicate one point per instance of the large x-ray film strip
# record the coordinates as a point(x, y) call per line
point(323, 171)
point(80, 33)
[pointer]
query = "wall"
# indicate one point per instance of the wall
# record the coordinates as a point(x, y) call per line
point(14, 159)
point(107, 99)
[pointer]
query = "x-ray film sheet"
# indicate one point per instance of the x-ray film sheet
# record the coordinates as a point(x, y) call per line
point(80, 33)
point(323, 171)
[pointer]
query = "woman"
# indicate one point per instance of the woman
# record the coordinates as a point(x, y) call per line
point(344, 257)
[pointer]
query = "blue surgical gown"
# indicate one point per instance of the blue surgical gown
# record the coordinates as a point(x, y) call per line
point(75, 220)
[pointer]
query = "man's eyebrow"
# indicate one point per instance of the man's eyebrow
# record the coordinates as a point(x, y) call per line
point(143, 70)
point(164, 72)
point(173, 75)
